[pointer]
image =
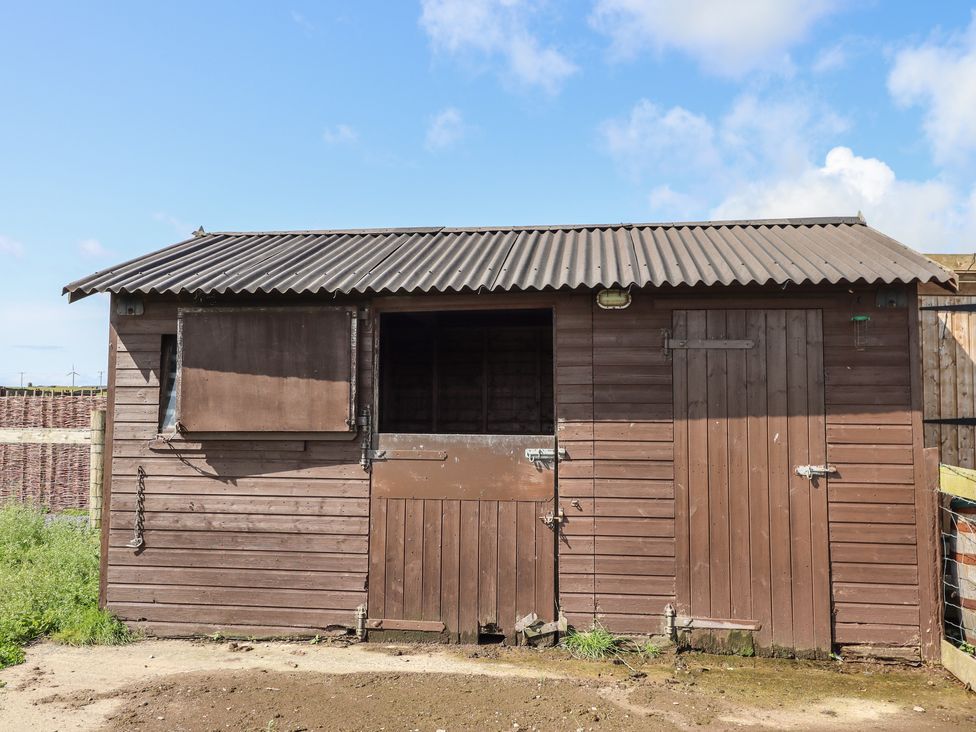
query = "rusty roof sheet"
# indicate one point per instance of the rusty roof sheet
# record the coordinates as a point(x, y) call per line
point(823, 250)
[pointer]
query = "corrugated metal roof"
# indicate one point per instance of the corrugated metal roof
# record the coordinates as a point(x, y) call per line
point(521, 258)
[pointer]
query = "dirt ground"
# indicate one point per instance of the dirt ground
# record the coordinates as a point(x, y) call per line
point(184, 685)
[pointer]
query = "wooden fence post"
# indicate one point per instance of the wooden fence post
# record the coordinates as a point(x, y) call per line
point(95, 468)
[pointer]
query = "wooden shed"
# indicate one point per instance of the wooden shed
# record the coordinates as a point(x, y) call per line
point(445, 430)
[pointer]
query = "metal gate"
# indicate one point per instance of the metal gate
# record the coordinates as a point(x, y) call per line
point(458, 541)
point(750, 475)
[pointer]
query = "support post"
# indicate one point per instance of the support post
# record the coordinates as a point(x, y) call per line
point(96, 468)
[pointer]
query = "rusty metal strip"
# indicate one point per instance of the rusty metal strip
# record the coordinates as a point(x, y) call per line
point(438, 455)
point(681, 343)
point(716, 624)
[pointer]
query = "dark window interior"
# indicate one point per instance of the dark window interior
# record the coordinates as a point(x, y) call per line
point(467, 372)
point(167, 384)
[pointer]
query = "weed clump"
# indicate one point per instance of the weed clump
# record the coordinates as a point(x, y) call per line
point(49, 584)
point(599, 644)
point(593, 645)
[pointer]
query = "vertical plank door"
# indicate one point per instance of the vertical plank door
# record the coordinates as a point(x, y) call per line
point(749, 410)
point(456, 542)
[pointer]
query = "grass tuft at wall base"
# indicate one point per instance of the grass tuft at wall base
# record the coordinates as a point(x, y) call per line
point(49, 584)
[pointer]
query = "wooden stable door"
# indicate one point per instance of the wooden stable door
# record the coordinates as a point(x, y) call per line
point(456, 540)
point(751, 533)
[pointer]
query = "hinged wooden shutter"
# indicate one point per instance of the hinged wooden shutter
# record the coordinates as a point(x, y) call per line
point(286, 369)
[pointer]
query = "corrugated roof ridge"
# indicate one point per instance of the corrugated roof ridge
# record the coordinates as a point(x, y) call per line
point(807, 221)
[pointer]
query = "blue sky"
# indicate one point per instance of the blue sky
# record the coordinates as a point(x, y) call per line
point(124, 126)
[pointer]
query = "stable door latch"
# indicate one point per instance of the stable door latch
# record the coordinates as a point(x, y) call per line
point(815, 471)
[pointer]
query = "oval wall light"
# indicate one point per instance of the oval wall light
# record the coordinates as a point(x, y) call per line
point(613, 299)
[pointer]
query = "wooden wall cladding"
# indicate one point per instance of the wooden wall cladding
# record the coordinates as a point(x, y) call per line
point(949, 376)
point(266, 369)
point(246, 537)
point(265, 537)
point(617, 557)
point(466, 563)
point(871, 441)
point(613, 394)
point(753, 531)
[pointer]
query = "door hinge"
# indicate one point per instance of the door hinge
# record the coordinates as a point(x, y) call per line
point(814, 471)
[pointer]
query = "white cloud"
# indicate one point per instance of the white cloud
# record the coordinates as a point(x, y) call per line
point(727, 38)
point(496, 28)
point(941, 79)
point(669, 204)
point(929, 215)
point(763, 159)
point(341, 134)
point(832, 58)
point(93, 248)
point(664, 140)
point(11, 247)
point(755, 136)
point(445, 130)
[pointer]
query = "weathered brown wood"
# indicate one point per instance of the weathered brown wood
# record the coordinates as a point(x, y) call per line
point(699, 601)
point(395, 532)
point(221, 615)
point(479, 467)
point(614, 416)
point(413, 559)
point(740, 577)
point(717, 390)
point(113, 345)
point(798, 439)
point(265, 369)
point(819, 489)
point(433, 513)
point(782, 383)
point(468, 573)
point(926, 487)
point(488, 564)
point(428, 626)
point(154, 557)
point(779, 480)
point(218, 522)
point(758, 455)
point(526, 520)
point(947, 388)
point(507, 563)
point(450, 563)
point(246, 540)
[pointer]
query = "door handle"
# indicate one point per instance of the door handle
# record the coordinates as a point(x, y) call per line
point(814, 471)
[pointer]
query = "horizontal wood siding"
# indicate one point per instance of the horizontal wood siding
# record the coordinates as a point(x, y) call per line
point(272, 537)
point(617, 563)
point(574, 433)
point(249, 537)
point(617, 553)
point(871, 508)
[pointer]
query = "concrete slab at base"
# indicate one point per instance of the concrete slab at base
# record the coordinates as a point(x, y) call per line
point(959, 663)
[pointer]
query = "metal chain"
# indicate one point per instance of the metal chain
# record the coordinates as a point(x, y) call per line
point(137, 540)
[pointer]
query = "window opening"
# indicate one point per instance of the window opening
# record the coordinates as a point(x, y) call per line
point(167, 384)
point(467, 372)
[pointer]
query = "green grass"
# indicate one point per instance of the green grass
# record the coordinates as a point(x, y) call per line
point(598, 644)
point(594, 644)
point(49, 584)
